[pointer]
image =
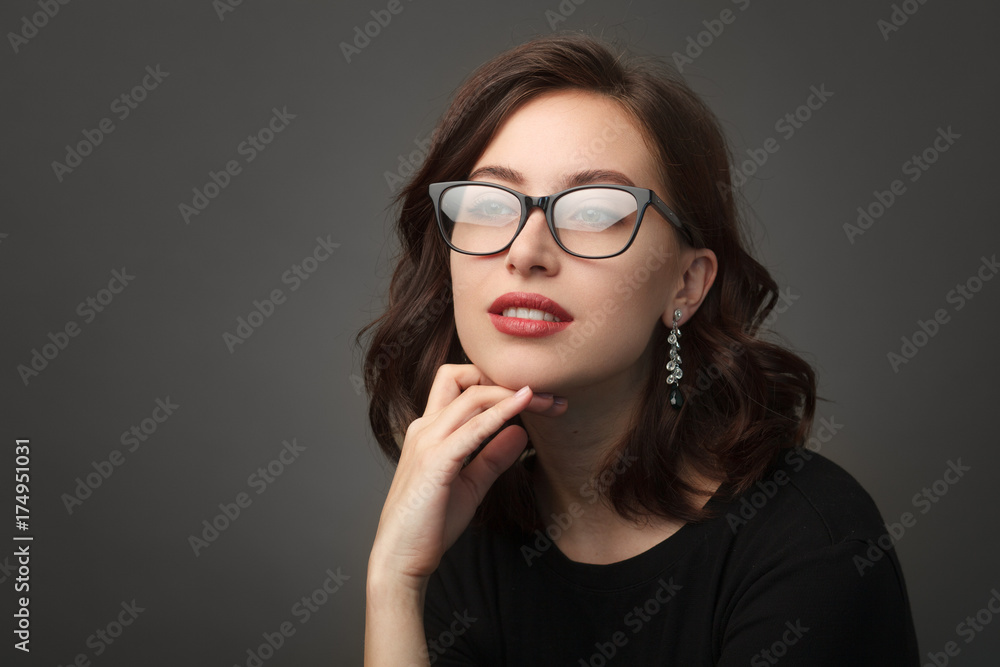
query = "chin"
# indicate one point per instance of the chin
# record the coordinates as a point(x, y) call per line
point(558, 379)
point(516, 374)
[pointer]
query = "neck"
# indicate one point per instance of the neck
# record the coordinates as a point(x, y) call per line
point(568, 477)
point(570, 450)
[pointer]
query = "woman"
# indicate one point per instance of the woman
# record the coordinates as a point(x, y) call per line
point(573, 291)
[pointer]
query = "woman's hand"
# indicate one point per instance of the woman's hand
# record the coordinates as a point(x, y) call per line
point(433, 498)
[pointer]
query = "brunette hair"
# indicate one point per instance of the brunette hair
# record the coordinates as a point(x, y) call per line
point(746, 398)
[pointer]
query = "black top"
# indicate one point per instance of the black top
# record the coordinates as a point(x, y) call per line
point(793, 572)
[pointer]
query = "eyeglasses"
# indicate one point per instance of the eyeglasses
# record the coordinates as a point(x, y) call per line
point(589, 221)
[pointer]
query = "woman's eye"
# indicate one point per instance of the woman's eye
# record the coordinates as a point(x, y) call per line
point(492, 208)
point(591, 218)
point(593, 215)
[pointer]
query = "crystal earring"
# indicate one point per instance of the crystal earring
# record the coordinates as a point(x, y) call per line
point(674, 365)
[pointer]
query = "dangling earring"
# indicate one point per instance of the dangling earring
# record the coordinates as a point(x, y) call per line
point(674, 365)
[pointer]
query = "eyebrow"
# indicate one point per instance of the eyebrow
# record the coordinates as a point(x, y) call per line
point(586, 177)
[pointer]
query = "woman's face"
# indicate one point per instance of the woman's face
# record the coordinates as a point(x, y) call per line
point(554, 142)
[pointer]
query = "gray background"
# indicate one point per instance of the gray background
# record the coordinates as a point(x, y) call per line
point(325, 175)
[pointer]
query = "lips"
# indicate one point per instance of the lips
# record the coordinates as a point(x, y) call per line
point(527, 327)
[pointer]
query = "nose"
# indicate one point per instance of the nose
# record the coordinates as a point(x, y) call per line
point(534, 250)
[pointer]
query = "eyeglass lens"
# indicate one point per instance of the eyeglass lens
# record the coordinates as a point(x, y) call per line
point(589, 221)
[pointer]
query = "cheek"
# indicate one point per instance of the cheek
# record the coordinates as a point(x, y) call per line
point(462, 315)
point(468, 274)
point(643, 286)
point(467, 301)
point(621, 311)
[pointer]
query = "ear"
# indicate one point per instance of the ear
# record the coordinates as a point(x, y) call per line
point(699, 266)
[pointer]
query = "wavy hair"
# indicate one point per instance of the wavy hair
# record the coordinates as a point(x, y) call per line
point(746, 398)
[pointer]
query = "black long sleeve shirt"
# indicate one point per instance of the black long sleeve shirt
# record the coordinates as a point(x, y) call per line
point(799, 570)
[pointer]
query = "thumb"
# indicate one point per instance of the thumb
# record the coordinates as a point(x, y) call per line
point(496, 457)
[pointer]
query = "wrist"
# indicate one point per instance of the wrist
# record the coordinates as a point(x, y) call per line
point(385, 581)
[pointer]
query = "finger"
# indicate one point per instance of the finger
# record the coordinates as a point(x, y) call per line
point(496, 457)
point(547, 405)
point(472, 402)
point(451, 380)
point(470, 435)
point(477, 400)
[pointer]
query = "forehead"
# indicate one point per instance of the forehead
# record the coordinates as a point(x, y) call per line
point(562, 133)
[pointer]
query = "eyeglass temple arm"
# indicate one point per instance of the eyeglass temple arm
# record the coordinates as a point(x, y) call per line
point(664, 210)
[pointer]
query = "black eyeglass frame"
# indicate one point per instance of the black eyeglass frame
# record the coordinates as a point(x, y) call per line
point(644, 198)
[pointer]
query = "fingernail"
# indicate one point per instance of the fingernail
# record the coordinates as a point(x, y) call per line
point(543, 395)
point(559, 400)
point(523, 391)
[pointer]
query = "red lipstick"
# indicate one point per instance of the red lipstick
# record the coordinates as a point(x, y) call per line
point(525, 327)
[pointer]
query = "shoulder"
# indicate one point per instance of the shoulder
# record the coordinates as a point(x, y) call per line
point(809, 523)
point(807, 499)
point(807, 545)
